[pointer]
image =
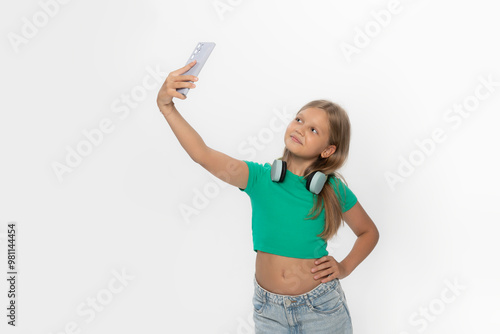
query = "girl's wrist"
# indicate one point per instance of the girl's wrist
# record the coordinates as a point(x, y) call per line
point(167, 108)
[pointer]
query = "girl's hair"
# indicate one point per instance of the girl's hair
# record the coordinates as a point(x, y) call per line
point(340, 136)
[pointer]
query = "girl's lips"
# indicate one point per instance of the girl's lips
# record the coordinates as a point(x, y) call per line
point(296, 140)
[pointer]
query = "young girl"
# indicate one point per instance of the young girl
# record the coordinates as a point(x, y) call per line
point(296, 284)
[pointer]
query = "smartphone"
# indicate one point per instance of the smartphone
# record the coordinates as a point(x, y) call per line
point(200, 54)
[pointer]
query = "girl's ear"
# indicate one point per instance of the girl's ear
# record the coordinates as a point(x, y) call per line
point(329, 151)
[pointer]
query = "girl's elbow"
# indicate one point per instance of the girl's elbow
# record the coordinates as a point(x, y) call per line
point(376, 235)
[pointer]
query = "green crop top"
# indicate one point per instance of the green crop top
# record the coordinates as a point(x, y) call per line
point(279, 212)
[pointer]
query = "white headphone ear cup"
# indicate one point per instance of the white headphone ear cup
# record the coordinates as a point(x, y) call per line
point(278, 170)
point(316, 182)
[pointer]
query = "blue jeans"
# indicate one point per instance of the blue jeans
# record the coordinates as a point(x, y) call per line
point(321, 310)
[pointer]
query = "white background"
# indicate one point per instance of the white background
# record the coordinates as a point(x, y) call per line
point(119, 209)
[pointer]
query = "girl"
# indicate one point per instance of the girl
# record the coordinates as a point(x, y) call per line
point(296, 284)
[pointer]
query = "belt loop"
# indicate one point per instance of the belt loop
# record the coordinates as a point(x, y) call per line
point(307, 299)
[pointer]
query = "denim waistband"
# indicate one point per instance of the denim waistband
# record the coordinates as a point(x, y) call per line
point(276, 298)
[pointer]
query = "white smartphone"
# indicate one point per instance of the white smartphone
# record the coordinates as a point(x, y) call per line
point(200, 54)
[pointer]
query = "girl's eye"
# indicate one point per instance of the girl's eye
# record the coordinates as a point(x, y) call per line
point(300, 119)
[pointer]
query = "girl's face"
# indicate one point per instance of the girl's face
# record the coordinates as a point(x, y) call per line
point(310, 128)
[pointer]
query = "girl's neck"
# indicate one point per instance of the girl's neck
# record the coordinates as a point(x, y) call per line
point(297, 166)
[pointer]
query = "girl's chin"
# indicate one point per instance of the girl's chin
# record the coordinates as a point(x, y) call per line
point(290, 147)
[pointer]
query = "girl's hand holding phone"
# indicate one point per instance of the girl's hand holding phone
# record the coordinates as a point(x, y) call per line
point(175, 80)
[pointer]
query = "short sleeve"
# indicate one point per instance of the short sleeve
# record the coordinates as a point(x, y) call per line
point(255, 171)
point(346, 196)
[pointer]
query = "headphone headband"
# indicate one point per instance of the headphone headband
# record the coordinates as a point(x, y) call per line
point(315, 181)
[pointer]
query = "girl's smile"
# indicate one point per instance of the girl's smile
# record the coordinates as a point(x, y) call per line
point(295, 139)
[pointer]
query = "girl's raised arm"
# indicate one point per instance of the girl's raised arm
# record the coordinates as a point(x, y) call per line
point(187, 136)
point(226, 168)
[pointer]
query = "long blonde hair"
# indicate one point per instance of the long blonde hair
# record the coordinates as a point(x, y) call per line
point(340, 136)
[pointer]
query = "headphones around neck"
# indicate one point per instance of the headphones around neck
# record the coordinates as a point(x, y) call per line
point(315, 181)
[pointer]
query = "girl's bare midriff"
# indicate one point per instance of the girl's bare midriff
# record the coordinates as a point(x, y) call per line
point(285, 275)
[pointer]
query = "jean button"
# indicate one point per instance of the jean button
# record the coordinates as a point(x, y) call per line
point(287, 302)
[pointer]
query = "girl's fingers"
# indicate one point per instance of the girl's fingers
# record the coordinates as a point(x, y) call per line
point(178, 95)
point(176, 80)
point(321, 275)
point(174, 93)
point(185, 68)
point(185, 78)
point(319, 268)
point(182, 84)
